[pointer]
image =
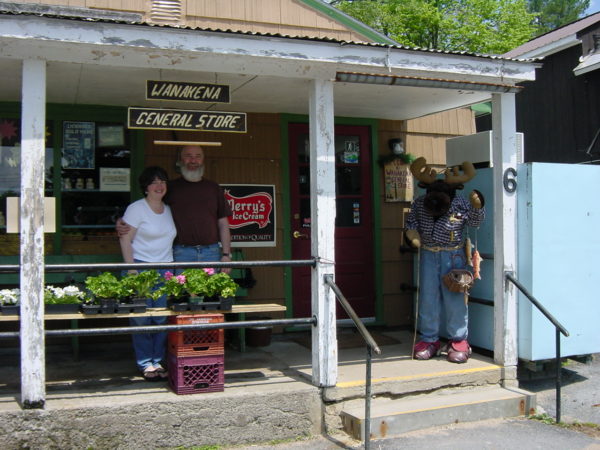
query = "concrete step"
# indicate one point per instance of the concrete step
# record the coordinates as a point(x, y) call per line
point(391, 417)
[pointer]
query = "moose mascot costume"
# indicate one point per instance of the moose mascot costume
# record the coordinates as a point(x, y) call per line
point(435, 226)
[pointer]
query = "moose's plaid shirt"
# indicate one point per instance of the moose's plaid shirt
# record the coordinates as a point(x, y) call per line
point(447, 230)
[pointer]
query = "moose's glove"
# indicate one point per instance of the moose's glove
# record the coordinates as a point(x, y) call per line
point(413, 238)
point(476, 199)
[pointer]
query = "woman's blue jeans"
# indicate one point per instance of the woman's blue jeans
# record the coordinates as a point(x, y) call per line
point(150, 348)
point(434, 297)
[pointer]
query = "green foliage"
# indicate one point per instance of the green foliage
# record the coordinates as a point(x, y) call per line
point(63, 296)
point(174, 285)
point(141, 285)
point(551, 14)
point(199, 282)
point(478, 26)
point(106, 285)
point(221, 284)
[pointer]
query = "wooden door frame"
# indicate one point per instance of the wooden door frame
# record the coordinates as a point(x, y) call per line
point(373, 124)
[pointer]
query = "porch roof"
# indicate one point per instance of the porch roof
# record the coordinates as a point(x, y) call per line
point(105, 61)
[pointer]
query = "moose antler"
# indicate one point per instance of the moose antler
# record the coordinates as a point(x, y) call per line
point(453, 176)
point(422, 171)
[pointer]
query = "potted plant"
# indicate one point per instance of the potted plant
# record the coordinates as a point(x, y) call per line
point(222, 288)
point(174, 289)
point(198, 289)
point(106, 290)
point(9, 300)
point(67, 299)
point(141, 286)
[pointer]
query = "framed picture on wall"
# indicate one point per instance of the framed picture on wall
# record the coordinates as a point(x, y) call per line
point(111, 136)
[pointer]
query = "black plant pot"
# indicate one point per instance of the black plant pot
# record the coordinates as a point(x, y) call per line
point(90, 309)
point(62, 308)
point(108, 305)
point(134, 306)
point(11, 310)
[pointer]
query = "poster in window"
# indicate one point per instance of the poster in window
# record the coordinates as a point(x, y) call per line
point(252, 223)
point(79, 145)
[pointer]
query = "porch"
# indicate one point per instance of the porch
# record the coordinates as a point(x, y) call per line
point(268, 394)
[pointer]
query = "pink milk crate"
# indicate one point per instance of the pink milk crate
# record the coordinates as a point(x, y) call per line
point(196, 342)
point(196, 374)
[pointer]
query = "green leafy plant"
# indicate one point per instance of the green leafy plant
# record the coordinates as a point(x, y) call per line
point(221, 284)
point(106, 285)
point(199, 282)
point(174, 285)
point(142, 284)
point(60, 296)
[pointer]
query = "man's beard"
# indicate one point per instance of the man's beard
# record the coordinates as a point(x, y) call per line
point(192, 175)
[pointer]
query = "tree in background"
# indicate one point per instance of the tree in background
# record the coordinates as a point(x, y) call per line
point(478, 26)
point(551, 14)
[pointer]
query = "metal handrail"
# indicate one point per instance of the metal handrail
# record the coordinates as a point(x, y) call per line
point(12, 268)
point(160, 328)
point(371, 345)
point(558, 328)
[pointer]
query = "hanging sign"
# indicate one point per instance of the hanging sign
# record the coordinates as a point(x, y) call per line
point(252, 223)
point(398, 181)
point(184, 91)
point(181, 119)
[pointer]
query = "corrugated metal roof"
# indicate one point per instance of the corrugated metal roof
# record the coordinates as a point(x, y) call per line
point(93, 15)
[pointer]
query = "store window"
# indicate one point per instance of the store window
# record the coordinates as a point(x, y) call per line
point(92, 187)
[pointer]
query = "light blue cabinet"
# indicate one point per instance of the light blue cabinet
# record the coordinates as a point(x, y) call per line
point(558, 259)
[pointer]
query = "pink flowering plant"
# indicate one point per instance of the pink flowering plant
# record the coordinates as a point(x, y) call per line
point(200, 283)
point(174, 285)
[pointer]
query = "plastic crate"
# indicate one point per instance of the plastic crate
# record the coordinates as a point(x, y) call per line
point(196, 342)
point(196, 374)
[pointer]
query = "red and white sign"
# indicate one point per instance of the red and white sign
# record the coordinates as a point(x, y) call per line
point(252, 223)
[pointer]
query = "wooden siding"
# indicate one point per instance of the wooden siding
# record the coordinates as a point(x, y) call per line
point(286, 17)
point(245, 158)
point(559, 113)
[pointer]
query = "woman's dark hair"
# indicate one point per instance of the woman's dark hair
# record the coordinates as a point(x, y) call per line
point(149, 175)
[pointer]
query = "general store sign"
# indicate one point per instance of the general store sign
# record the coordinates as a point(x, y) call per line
point(184, 91)
point(252, 223)
point(181, 119)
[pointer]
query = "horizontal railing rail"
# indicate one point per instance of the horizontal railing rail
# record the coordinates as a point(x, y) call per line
point(90, 267)
point(160, 328)
point(559, 328)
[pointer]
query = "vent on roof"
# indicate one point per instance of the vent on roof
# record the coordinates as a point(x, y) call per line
point(166, 11)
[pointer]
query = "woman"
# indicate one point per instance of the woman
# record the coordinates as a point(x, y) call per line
point(150, 239)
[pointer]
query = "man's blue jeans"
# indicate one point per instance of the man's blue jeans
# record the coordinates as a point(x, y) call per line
point(433, 296)
point(150, 348)
point(197, 253)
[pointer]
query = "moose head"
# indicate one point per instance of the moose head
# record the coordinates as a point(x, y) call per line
point(440, 192)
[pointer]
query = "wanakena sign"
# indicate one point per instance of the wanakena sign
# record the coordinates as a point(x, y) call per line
point(398, 181)
point(184, 91)
point(181, 119)
point(252, 223)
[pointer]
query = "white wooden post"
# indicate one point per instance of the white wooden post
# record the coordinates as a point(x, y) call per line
point(505, 230)
point(33, 127)
point(322, 204)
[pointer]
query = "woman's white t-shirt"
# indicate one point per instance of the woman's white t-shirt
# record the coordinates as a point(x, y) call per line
point(153, 240)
